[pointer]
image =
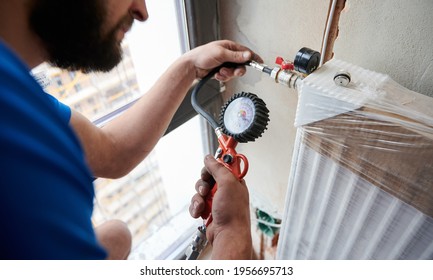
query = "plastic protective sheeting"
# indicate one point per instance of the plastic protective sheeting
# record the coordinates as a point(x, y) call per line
point(361, 184)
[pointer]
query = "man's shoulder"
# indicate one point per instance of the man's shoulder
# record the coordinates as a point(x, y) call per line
point(10, 64)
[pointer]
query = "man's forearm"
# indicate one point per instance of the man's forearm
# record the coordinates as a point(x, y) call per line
point(233, 244)
point(119, 146)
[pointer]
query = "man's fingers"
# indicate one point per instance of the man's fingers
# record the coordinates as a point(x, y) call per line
point(205, 175)
point(197, 206)
point(202, 187)
point(217, 170)
point(240, 53)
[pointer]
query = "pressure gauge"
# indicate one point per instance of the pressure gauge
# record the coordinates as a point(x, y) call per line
point(244, 117)
point(307, 60)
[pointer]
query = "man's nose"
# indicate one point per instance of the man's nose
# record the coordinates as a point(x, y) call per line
point(138, 10)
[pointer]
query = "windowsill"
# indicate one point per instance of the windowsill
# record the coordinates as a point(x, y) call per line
point(168, 242)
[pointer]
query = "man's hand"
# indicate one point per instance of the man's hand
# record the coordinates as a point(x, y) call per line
point(212, 55)
point(230, 231)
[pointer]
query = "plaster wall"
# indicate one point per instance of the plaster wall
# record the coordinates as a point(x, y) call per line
point(394, 37)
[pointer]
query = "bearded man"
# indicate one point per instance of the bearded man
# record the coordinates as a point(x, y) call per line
point(50, 153)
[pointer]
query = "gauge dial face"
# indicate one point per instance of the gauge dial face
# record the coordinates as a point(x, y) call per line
point(239, 115)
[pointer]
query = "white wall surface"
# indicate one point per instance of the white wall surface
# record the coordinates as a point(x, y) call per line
point(394, 37)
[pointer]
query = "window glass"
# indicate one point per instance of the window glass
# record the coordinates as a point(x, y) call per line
point(154, 198)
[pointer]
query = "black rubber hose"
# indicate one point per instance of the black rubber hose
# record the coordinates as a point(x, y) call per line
point(200, 84)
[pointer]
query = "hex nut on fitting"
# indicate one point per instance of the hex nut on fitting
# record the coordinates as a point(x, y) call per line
point(342, 78)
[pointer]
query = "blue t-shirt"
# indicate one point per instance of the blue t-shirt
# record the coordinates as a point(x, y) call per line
point(46, 189)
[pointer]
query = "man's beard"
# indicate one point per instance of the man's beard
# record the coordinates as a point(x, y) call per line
point(72, 33)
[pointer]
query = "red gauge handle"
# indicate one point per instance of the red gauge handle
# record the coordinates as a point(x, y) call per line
point(232, 161)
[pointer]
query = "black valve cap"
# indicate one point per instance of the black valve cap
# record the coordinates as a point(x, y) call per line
point(307, 60)
point(228, 158)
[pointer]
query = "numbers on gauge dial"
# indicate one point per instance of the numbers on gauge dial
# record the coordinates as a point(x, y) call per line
point(239, 115)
